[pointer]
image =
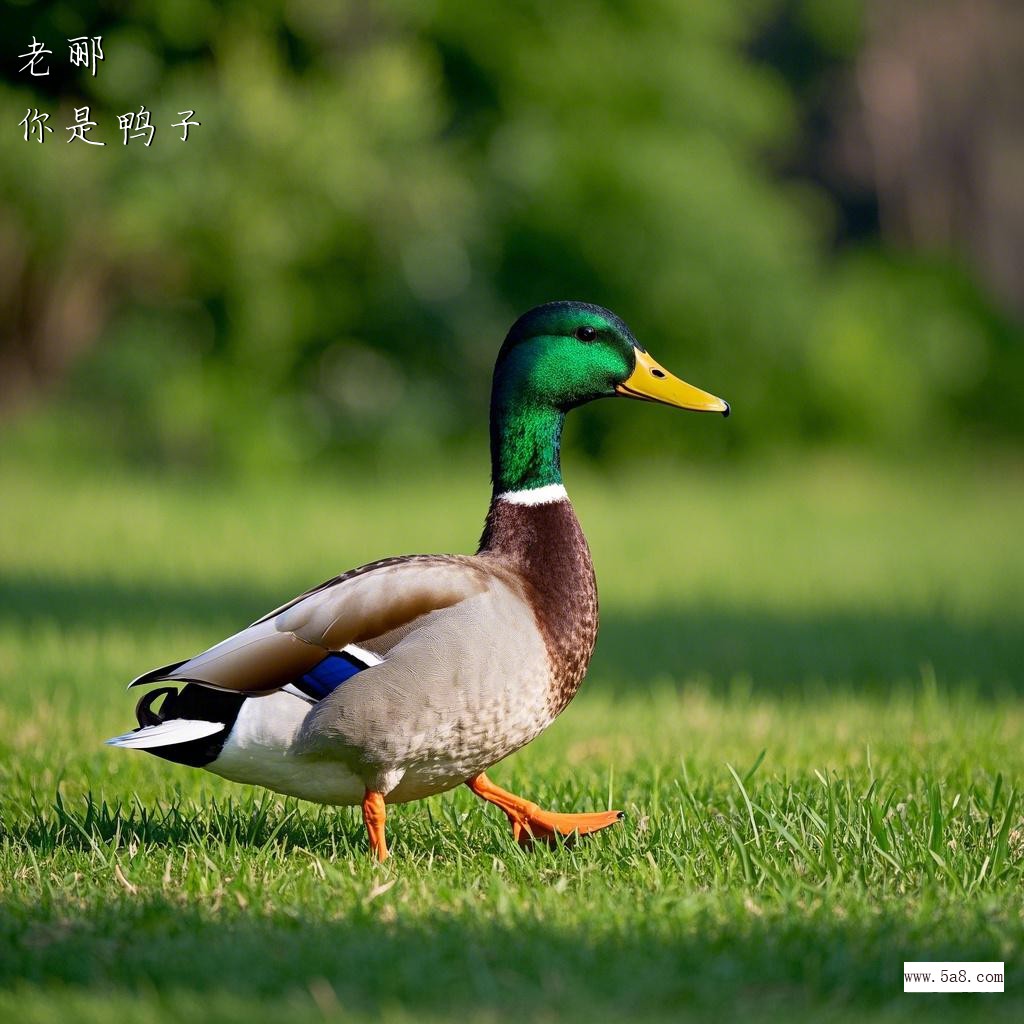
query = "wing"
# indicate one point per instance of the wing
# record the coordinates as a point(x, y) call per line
point(350, 609)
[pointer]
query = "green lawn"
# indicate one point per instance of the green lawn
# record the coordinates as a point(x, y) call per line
point(807, 696)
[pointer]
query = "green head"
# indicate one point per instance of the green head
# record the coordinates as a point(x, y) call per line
point(558, 356)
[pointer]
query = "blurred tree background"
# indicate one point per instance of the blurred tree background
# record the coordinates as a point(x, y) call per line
point(812, 207)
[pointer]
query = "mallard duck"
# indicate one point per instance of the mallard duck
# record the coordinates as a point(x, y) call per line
point(412, 675)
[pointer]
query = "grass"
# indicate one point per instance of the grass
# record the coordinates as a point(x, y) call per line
point(806, 695)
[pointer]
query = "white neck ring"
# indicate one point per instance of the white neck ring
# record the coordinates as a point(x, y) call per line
point(536, 495)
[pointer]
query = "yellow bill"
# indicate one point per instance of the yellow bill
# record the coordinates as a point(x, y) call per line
point(652, 382)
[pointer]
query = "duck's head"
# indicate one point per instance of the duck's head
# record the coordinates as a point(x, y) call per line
point(556, 357)
point(563, 354)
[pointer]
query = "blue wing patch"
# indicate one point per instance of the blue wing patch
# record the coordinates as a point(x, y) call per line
point(329, 674)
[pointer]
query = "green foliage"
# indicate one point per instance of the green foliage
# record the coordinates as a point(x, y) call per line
point(820, 754)
point(377, 190)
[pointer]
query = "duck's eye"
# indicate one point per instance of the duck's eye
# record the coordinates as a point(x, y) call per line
point(586, 333)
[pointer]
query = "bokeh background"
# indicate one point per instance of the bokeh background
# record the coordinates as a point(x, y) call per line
point(813, 207)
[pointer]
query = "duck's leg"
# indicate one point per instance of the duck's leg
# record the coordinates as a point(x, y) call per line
point(530, 822)
point(374, 815)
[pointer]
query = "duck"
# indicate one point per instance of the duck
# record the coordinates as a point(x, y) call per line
point(411, 675)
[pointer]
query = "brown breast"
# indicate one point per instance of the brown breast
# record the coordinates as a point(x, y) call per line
point(545, 547)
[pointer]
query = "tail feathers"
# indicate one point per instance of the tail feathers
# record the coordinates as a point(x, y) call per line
point(155, 675)
point(177, 730)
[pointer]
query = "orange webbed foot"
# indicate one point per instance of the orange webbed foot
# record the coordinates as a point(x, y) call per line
point(547, 826)
point(530, 823)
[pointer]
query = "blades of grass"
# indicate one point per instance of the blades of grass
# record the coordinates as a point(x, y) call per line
point(41, 881)
point(79, 827)
point(744, 856)
point(746, 800)
point(708, 844)
point(279, 827)
point(809, 859)
point(887, 857)
point(769, 871)
point(828, 853)
point(753, 768)
point(876, 822)
point(1001, 851)
point(944, 867)
point(996, 789)
point(935, 818)
point(981, 874)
